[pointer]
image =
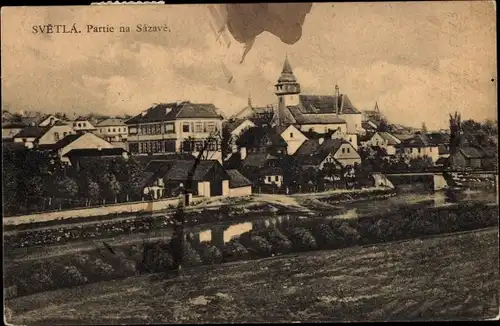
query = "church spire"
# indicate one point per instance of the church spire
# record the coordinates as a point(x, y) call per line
point(287, 68)
point(376, 107)
point(337, 98)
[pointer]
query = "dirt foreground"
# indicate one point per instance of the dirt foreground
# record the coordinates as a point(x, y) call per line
point(449, 277)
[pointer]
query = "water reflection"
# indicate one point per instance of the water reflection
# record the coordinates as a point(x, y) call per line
point(223, 233)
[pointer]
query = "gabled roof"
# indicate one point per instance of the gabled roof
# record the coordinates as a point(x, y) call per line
point(95, 152)
point(173, 111)
point(312, 147)
point(180, 170)
point(327, 104)
point(313, 118)
point(256, 137)
point(236, 179)
point(257, 159)
point(443, 150)
point(438, 138)
point(144, 160)
point(380, 151)
point(442, 160)
point(391, 140)
point(472, 152)
point(419, 140)
point(111, 122)
point(30, 132)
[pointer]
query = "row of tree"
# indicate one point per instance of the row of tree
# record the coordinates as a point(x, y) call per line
point(35, 180)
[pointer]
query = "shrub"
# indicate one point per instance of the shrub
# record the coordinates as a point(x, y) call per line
point(41, 279)
point(156, 258)
point(380, 230)
point(302, 239)
point(71, 276)
point(210, 254)
point(190, 256)
point(279, 242)
point(260, 246)
point(326, 238)
point(234, 250)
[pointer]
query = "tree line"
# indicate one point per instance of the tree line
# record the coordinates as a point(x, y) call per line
point(38, 180)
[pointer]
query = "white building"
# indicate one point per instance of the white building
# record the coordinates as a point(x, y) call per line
point(113, 129)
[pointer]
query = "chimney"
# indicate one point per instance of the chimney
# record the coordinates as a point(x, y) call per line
point(143, 113)
point(167, 110)
point(321, 140)
point(178, 102)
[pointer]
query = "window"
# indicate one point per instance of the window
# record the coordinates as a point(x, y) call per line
point(185, 127)
point(211, 127)
point(154, 147)
point(291, 135)
point(419, 150)
point(269, 179)
point(64, 134)
point(140, 148)
point(350, 140)
point(134, 147)
point(276, 178)
point(348, 150)
point(169, 127)
point(158, 128)
point(85, 124)
point(430, 149)
point(114, 129)
point(56, 136)
point(109, 129)
point(198, 127)
point(79, 124)
point(343, 150)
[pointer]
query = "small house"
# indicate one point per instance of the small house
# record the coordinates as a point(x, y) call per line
point(239, 185)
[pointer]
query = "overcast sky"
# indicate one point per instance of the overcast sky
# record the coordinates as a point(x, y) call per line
point(420, 61)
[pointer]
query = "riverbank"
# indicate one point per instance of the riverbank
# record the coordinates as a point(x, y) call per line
point(254, 204)
point(449, 277)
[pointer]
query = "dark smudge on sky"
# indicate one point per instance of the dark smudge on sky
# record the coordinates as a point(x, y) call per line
point(246, 21)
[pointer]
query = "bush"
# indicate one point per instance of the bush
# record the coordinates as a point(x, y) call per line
point(302, 239)
point(210, 254)
point(40, 280)
point(326, 238)
point(380, 230)
point(344, 231)
point(234, 250)
point(71, 276)
point(190, 256)
point(156, 258)
point(260, 246)
point(279, 242)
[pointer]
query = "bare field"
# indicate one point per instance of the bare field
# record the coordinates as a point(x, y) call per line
point(449, 277)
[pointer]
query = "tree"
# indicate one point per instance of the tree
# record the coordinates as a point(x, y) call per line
point(93, 191)
point(10, 188)
point(226, 141)
point(455, 132)
point(383, 125)
point(110, 187)
point(421, 163)
point(67, 188)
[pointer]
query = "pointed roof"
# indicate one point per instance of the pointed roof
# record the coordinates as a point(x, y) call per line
point(376, 109)
point(287, 68)
point(287, 75)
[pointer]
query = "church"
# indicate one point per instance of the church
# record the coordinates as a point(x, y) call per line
point(314, 113)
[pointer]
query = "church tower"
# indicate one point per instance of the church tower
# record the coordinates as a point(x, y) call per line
point(287, 90)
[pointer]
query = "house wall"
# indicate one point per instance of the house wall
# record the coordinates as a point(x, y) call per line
point(115, 133)
point(328, 159)
point(240, 191)
point(85, 141)
point(204, 188)
point(278, 179)
point(323, 128)
point(351, 138)
point(54, 134)
point(347, 155)
point(83, 125)
point(225, 188)
point(414, 152)
point(294, 138)
point(353, 122)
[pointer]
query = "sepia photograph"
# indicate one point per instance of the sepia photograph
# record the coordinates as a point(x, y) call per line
point(250, 163)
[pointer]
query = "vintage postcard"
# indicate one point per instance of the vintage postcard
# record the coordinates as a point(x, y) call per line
point(237, 163)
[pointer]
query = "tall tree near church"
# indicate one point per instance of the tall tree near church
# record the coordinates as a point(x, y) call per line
point(455, 130)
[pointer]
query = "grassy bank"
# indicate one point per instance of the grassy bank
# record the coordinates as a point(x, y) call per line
point(296, 236)
point(441, 278)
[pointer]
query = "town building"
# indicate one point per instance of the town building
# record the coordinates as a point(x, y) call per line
point(75, 156)
point(293, 137)
point(418, 146)
point(239, 185)
point(473, 158)
point(339, 149)
point(261, 116)
point(113, 130)
point(176, 127)
point(384, 140)
point(262, 140)
point(170, 176)
point(442, 141)
point(75, 141)
point(314, 112)
point(34, 135)
point(82, 124)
